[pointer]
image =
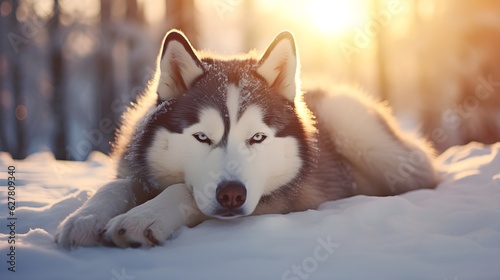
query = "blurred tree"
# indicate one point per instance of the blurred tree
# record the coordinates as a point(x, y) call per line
point(104, 63)
point(15, 139)
point(181, 15)
point(5, 92)
point(459, 69)
point(59, 96)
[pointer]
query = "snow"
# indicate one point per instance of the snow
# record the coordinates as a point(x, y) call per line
point(452, 232)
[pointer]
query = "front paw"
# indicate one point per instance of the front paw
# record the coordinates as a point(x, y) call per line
point(81, 229)
point(138, 227)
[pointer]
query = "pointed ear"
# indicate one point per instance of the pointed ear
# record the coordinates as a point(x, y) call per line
point(278, 65)
point(179, 65)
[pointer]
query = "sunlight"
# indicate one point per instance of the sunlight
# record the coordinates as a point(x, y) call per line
point(82, 10)
point(335, 16)
point(154, 10)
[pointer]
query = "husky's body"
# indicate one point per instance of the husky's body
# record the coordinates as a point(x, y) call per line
point(225, 138)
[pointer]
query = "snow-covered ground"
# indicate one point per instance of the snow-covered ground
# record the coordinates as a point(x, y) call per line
point(450, 233)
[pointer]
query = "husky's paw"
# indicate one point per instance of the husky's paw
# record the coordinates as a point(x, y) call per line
point(81, 229)
point(141, 226)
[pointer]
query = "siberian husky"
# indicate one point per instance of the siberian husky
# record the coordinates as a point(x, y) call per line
point(229, 137)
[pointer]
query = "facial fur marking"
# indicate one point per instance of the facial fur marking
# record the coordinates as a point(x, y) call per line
point(233, 103)
point(210, 128)
point(229, 114)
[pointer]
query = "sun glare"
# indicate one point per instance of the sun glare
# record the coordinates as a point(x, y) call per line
point(335, 16)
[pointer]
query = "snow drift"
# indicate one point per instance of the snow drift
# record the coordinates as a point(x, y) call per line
point(452, 232)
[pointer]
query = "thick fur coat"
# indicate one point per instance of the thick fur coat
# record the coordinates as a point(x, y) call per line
point(230, 137)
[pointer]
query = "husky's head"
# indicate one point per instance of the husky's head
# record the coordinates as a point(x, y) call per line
point(229, 129)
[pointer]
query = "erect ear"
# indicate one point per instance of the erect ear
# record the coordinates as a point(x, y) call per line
point(278, 65)
point(179, 65)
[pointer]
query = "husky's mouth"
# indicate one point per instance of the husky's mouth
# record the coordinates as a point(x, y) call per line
point(226, 214)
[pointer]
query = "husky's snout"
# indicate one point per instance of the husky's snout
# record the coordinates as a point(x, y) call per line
point(231, 195)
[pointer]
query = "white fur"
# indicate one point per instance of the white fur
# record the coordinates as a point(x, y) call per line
point(262, 168)
point(176, 200)
point(266, 166)
point(82, 228)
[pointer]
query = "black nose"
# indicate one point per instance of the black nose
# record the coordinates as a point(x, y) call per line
point(231, 194)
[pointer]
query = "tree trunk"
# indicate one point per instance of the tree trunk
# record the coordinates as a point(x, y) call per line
point(58, 99)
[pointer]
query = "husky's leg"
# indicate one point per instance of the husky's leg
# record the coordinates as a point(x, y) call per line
point(83, 227)
point(384, 159)
point(153, 222)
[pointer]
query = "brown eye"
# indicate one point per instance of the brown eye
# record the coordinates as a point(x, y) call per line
point(257, 138)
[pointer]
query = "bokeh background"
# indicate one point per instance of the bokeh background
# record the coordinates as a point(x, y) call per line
point(68, 68)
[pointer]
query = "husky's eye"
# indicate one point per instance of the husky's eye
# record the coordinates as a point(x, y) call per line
point(202, 137)
point(257, 138)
